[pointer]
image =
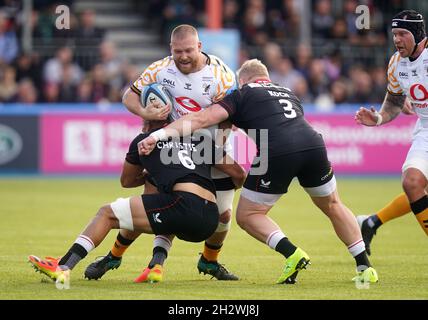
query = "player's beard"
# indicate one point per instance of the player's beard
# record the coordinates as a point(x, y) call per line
point(188, 67)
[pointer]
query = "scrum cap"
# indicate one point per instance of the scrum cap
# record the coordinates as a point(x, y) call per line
point(411, 21)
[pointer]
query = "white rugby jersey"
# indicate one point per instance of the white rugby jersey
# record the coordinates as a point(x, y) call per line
point(194, 91)
point(410, 78)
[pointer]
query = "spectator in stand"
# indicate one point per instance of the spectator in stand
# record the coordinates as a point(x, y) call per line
point(50, 93)
point(100, 87)
point(285, 75)
point(379, 83)
point(302, 92)
point(339, 91)
point(254, 22)
point(318, 80)
point(84, 91)
point(8, 41)
point(53, 70)
point(303, 59)
point(272, 55)
point(178, 12)
point(67, 87)
point(231, 14)
point(113, 67)
point(8, 85)
point(27, 93)
point(322, 20)
point(361, 86)
point(88, 40)
point(28, 66)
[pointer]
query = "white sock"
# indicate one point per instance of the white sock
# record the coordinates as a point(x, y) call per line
point(85, 242)
point(273, 239)
point(163, 242)
point(357, 247)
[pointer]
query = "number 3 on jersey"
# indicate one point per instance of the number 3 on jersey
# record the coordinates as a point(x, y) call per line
point(289, 111)
point(185, 160)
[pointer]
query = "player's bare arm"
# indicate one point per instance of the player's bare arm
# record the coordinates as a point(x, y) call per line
point(408, 108)
point(232, 169)
point(132, 175)
point(185, 125)
point(153, 111)
point(391, 108)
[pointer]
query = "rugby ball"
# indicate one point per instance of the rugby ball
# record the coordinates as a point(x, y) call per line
point(155, 92)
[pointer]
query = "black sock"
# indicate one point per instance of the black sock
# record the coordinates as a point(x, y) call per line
point(285, 247)
point(374, 222)
point(73, 256)
point(213, 246)
point(123, 240)
point(419, 205)
point(362, 259)
point(159, 256)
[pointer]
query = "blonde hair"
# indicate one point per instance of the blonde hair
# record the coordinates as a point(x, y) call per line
point(252, 68)
point(183, 31)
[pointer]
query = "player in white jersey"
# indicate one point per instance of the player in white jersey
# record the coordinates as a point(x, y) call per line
point(195, 81)
point(407, 77)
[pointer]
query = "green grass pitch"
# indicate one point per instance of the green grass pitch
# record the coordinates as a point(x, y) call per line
point(44, 216)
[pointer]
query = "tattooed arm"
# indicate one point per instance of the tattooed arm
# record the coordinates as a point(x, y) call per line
point(391, 108)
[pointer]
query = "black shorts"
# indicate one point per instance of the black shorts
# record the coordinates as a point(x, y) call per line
point(311, 167)
point(183, 214)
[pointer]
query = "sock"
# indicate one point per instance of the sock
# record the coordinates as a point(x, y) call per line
point(211, 251)
point(285, 247)
point(374, 222)
point(161, 247)
point(159, 256)
point(280, 243)
point(120, 246)
point(396, 208)
point(420, 209)
point(76, 253)
point(358, 251)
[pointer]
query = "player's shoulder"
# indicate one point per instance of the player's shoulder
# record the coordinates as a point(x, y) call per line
point(216, 61)
point(218, 66)
point(394, 86)
point(393, 61)
point(160, 64)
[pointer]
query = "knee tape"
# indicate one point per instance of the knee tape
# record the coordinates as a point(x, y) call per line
point(122, 210)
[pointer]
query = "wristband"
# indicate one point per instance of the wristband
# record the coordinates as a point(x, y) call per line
point(159, 135)
point(379, 118)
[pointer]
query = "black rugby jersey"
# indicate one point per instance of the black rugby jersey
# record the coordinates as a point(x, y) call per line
point(264, 105)
point(173, 161)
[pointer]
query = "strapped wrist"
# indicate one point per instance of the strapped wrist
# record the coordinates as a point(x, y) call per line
point(379, 118)
point(159, 135)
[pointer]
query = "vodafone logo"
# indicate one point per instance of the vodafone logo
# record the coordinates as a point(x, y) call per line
point(418, 92)
point(188, 104)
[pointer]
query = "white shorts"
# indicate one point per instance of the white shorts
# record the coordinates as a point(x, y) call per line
point(417, 157)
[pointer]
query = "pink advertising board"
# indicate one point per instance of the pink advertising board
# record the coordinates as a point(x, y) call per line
point(357, 149)
point(86, 143)
point(97, 143)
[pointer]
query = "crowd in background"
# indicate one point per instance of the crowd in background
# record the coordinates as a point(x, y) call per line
point(341, 64)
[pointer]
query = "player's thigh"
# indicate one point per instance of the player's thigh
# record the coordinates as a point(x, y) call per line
point(316, 173)
point(280, 172)
point(417, 156)
point(188, 216)
point(131, 214)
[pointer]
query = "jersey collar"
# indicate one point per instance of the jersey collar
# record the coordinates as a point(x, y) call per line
point(262, 80)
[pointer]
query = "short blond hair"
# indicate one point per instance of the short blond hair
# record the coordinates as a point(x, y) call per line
point(182, 31)
point(252, 68)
